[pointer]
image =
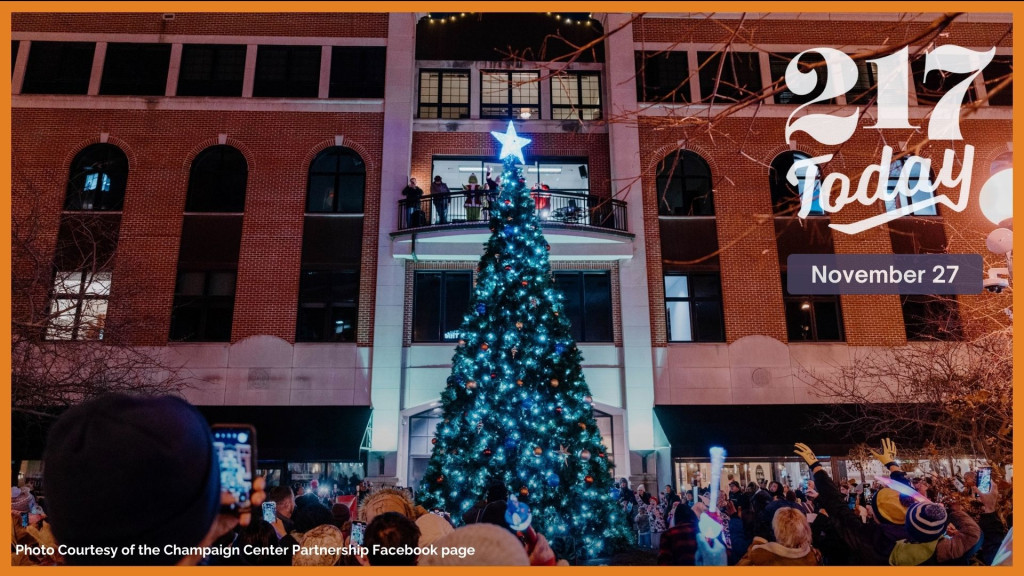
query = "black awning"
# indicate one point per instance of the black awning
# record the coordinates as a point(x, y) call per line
point(288, 433)
point(754, 430)
point(299, 433)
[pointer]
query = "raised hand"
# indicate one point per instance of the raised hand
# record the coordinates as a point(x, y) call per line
point(888, 454)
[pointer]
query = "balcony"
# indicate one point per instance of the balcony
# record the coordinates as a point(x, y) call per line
point(578, 226)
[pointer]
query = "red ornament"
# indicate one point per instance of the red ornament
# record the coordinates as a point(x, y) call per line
point(525, 282)
point(524, 491)
point(507, 268)
point(493, 375)
point(433, 440)
point(519, 382)
point(484, 346)
point(471, 384)
point(589, 479)
point(559, 409)
point(440, 479)
point(508, 202)
point(487, 452)
point(554, 382)
point(538, 451)
point(600, 454)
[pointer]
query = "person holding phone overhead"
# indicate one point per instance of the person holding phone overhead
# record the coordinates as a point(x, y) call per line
point(124, 470)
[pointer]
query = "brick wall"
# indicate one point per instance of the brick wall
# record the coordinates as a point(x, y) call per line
point(739, 151)
point(815, 32)
point(355, 25)
point(160, 146)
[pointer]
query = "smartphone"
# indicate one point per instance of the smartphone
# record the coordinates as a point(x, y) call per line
point(270, 511)
point(852, 502)
point(358, 530)
point(984, 480)
point(235, 446)
point(24, 519)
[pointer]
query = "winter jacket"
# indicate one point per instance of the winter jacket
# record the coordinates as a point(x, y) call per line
point(679, 545)
point(994, 531)
point(764, 553)
point(870, 543)
point(941, 551)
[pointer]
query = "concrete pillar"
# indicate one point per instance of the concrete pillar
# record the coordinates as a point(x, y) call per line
point(386, 373)
point(624, 144)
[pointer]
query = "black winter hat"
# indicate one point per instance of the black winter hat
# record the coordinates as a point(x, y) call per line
point(123, 470)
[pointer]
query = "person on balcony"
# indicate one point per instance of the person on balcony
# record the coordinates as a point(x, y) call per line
point(473, 199)
point(413, 194)
point(440, 196)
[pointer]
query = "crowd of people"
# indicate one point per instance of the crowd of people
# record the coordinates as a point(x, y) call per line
point(135, 481)
point(899, 521)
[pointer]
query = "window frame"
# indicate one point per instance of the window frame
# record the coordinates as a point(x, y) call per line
point(115, 164)
point(70, 80)
point(371, 85)
point(293, 85)
point(443, 304)
point(194, 195)
point(811, 300)
point(508, 107)
point(942, 330)
point(648, 92)
point(577, 111)
point(678, 172)
point(204, 302)
point(221, 87)
point(779, 62)
point(778, 184)
point(440, 106)
point(695, 335)
point(338, 175)
point(329, 304)
point(582, 299)
point(125, 73)
point(86, 279)
point(707, 61)
point(900, 200)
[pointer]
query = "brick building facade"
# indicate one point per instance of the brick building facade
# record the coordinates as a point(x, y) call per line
point(386, 96)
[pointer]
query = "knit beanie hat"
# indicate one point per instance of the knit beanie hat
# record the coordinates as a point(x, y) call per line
point(888, 508)
point(387, 500)
point(324, 536)
point(123, 470)
point(21, 500)
point(432, 528)
point(492, 546)
point(926, 522)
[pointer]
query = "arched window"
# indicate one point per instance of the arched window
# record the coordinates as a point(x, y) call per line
point(97, 179)
point(217, 181)
point(786, 197)
point(684, 186)
point(337, 182)
point(916, 180)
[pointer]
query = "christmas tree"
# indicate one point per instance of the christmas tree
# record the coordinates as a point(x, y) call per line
point(517, 409)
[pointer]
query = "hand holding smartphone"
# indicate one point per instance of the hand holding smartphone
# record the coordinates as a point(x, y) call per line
point(269, 511)
point(235, 446)
point(358, 531)
point(984, 480)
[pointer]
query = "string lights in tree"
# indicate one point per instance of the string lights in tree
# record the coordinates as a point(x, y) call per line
point(517, 410)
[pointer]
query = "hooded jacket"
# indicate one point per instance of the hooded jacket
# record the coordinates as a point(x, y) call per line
point(764, 553)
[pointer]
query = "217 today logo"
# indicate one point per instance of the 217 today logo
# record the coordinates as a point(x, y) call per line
point(892, 113)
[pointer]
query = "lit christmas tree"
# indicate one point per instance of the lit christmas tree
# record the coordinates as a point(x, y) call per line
point(517, 409)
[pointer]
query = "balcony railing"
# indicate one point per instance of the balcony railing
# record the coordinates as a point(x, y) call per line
point(561, 207)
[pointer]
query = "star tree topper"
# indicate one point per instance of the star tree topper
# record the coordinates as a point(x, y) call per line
point(511, 143)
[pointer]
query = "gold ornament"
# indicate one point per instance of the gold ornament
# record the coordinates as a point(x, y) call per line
point(554, 382)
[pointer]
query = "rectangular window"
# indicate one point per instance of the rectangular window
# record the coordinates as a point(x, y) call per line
point(866, 86)
point(444, 94)
point(915, 180)
point(929, 317)
point(778, 64)
point(439, 303)
point(78, 308)
point(932, 88)
point(58, 68)
point(997, 71)
point(693, 304)
point(328, 306)
point(576, 96)
point(510, 95)
point(287, 72)
point(587, 304)
point(135, 69)
point(204, 303)
point(662, 77)
point(815, 318)
point(358, 71)
point(14, 54)
point(740, 77)
point(211, 70)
